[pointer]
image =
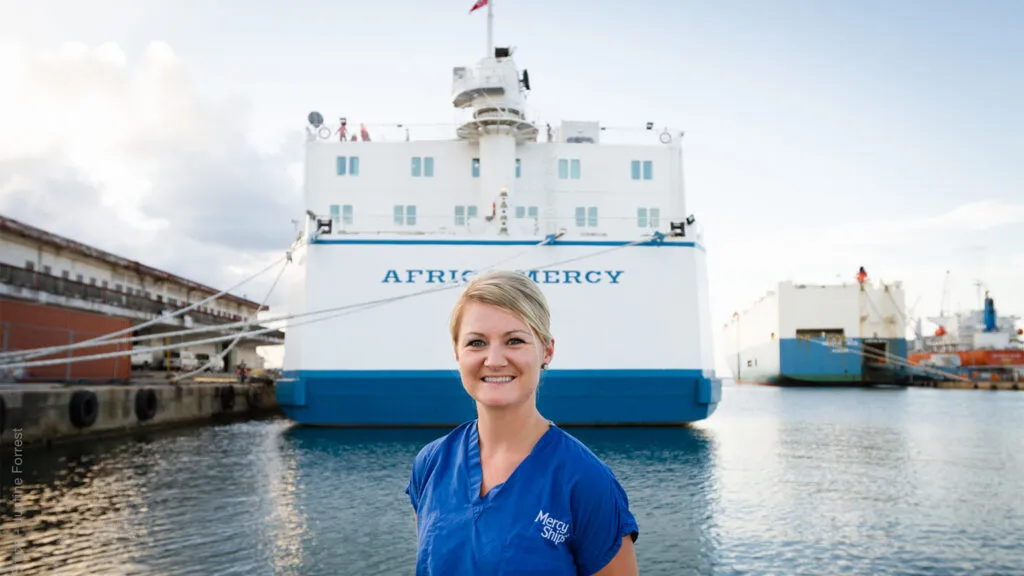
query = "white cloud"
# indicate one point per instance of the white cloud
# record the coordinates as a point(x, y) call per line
point(124, 155)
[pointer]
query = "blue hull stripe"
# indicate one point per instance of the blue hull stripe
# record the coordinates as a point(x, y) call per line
point(807, 362)
point(436, 397)
point(453, 242)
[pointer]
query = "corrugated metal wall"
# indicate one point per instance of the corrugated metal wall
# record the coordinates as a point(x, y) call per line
point(25, 325)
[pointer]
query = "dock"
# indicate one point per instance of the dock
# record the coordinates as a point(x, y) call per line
point(47, 413)
point(968, 385)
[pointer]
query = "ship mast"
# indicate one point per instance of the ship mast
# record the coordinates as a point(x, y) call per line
point(490, 28)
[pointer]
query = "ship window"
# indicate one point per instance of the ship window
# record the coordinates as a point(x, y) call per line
point(586, 216)
point(648, 217)
point(119, 287)
point(47, 270)
point(519, 168)
point(78, 278)
point(405, 215)
point(346, 214)
point(341, 164)
point(635, 169)
point(30, 265)
point(422, 166)
point(569, 169)
point(104, 284)
point(463, 214)
point(65, 274)
point(532, 212)
point(476, 167)
point(520, 211)
point(335, 215)
point(353, 166)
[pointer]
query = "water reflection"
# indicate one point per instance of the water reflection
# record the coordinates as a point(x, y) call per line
point(357, 478)
point(778, 482)
point(670, 476)
point(868, 481)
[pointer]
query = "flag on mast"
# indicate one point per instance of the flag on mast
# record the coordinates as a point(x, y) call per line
point(479, 4)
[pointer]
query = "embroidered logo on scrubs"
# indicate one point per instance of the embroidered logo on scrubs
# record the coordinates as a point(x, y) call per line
point(553, 528)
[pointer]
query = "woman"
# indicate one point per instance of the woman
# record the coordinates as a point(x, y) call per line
point(511, 493)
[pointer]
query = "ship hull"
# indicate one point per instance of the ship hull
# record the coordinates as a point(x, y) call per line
point(805, 362)
point(814, 335)
point(436, 398)
point(631, 326)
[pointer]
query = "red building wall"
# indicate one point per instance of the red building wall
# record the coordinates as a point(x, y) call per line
point(25, 325)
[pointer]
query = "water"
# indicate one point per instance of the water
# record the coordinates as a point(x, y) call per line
point(779, 481)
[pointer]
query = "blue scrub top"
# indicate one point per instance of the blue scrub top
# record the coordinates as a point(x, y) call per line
point(562, 511)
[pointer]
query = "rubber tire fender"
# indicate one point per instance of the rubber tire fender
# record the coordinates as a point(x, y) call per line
point(84, 408)
point(227, 398)
point(146, 404)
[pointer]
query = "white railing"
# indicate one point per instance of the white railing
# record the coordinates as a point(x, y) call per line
point(446, 225)
point(637, 135)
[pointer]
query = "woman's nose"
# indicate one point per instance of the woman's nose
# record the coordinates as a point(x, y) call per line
point(495, 357)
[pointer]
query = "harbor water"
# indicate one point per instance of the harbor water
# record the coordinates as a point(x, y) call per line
point(778, 481)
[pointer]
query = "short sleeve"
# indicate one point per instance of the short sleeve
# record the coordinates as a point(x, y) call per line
point(602, 517)
point(421, 467)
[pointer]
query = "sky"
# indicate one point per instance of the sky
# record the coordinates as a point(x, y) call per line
point(820, 136)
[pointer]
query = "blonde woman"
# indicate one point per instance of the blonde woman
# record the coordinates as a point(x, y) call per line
point(510, 492)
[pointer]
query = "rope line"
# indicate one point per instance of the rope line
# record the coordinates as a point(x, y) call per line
point(330, 312)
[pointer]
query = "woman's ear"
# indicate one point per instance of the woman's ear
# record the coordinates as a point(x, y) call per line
point(549, 352)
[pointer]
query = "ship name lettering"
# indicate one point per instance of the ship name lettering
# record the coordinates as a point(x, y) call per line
point(438, 276)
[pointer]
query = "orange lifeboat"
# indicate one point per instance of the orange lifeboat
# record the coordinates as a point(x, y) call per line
point(941, 331)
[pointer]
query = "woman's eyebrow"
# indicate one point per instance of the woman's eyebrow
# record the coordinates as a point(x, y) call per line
point(505, 334)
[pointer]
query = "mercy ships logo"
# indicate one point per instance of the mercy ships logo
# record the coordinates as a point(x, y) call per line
point(552, 528)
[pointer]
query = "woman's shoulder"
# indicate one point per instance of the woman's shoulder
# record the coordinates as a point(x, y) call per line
point(580, 461)
point(429, 455)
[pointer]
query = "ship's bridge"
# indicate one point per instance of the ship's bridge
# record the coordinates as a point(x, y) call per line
point(494, 90)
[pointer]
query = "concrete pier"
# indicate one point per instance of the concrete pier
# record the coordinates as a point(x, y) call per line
point(961, 385)
point(48, 413)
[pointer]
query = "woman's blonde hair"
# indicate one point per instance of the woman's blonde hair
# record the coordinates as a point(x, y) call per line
point(511, 291)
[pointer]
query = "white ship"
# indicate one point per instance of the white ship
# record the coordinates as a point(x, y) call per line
point(602, 227)
point(805, 334)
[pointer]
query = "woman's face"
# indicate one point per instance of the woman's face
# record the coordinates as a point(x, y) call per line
point(499, 356)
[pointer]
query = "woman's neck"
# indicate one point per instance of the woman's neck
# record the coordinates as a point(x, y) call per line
point(514, 429)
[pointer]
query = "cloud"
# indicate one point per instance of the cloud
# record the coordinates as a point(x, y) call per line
point(126, 156)
point(979, 216)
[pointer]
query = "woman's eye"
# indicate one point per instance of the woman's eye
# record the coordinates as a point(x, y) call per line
point(475, 343)
point(516, 341)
